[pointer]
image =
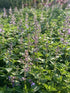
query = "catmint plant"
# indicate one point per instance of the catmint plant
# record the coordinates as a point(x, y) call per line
point(27, 63)
point(13, 19)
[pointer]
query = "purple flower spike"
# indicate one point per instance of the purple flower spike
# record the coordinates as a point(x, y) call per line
point(32, 84)
point(69, 31)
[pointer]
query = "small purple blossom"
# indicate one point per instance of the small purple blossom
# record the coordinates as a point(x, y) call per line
point(66, 42)
point(32, 84)
point(62, 39)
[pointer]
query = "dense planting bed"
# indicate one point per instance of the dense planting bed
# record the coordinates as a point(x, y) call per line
point(35, 51)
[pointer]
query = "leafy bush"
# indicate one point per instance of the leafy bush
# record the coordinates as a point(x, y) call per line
point(34, 51)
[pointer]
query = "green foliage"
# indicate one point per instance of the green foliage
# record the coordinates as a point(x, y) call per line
point(33, 56)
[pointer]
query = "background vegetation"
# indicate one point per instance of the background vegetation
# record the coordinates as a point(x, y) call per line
point(18, 3)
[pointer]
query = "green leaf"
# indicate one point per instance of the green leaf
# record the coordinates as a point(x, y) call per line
point(1, 92)
point(8, 69)
point(49, 87)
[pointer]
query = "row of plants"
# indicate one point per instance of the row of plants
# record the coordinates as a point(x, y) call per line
point(28, 3)
point(34, 51)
